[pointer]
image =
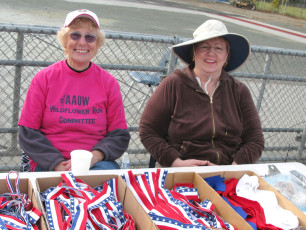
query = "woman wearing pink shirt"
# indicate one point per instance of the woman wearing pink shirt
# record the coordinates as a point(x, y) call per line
point(74, 104)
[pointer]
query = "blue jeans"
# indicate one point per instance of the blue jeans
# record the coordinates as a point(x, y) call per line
point(101, 165)
point(104, 165)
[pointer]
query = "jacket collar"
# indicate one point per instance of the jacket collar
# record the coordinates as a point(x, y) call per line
point(189, 78)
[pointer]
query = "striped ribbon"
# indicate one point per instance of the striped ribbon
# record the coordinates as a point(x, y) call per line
point(179, 208)
point(16, 209)
point(75, 205)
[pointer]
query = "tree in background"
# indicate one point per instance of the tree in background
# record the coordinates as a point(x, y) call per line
point(275, 5)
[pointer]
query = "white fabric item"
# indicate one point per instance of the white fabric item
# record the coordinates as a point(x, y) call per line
point(247, 187)
point(206, 84)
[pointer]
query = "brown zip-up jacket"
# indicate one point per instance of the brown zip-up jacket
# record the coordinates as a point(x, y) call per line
point(181, 120)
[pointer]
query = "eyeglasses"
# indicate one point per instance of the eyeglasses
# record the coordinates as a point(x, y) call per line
point(88, 37)
point(216, 49)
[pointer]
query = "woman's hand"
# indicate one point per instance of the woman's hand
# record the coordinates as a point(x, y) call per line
point(234, 163)
point(211, 164)
point(96, 157)
point(63, 166)
point(189, 163)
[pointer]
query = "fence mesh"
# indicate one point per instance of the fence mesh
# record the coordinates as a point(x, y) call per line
point(276, 78)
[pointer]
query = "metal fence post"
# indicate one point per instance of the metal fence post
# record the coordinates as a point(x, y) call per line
point(17, 86)
point(264, 82)
point(173, 58)
point(302, 145)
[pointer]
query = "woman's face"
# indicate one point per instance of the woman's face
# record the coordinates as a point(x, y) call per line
point(80, 52)
point(210, 56)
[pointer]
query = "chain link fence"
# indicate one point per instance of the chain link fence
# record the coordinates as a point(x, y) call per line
point(276, 78)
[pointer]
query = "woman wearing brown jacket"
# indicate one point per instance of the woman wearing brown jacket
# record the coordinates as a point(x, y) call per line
point(201, 115)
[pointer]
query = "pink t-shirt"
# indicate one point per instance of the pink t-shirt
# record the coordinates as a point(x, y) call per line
point(73, 110)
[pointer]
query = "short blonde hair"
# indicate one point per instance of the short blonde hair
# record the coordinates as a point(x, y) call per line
point(62, 34)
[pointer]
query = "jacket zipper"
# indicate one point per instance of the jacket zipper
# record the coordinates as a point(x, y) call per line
point(213, 122)
point(214, 128)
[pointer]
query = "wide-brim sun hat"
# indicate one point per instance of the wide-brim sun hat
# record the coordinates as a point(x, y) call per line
point(240, 48)
point(79, 14)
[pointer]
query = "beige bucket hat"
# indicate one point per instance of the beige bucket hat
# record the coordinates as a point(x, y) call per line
point(240, 48)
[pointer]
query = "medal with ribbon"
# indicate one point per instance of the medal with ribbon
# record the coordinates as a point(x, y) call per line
point(179, 208)
point(75, 205)
point(16, 209)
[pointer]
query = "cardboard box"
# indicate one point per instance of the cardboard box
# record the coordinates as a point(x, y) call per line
point(263, 185)
point(25, 187)
point(129, 202)
point(206, 192)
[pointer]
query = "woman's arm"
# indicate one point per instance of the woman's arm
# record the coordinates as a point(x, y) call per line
point(31, 140)
point(112, 146)
point(154, 123)
point(117, 138)
point(252, 135)
point(153, 128)
point(39, 148)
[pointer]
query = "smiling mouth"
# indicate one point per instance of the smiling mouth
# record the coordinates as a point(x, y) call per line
point(209, 61)
point(81, 51)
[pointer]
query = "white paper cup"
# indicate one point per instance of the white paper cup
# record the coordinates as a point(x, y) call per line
point(80, 161)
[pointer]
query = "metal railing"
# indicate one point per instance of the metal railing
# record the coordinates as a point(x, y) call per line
point(276, 78)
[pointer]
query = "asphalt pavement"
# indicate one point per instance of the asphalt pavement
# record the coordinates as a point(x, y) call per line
point(159, 17)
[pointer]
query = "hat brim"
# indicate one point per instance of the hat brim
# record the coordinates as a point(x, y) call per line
point(240, 50)
point(75, 14)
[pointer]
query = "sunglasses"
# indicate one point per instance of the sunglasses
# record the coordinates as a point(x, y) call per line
point(88, 37)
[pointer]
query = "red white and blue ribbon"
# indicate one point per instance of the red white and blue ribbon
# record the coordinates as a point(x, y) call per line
point(16, 209)
point(75, 205)
point(179, 208)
